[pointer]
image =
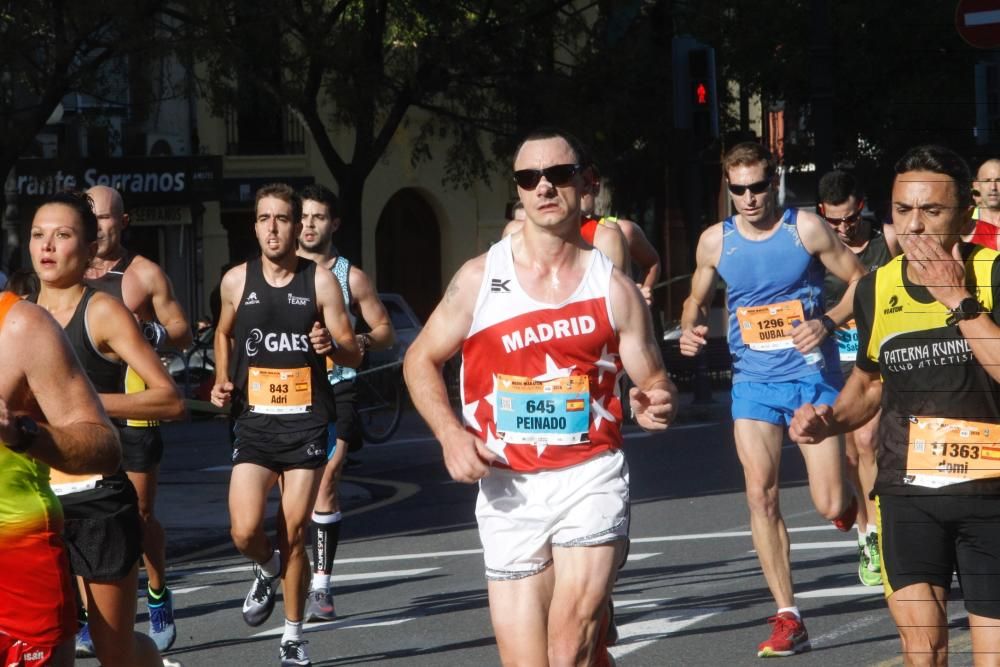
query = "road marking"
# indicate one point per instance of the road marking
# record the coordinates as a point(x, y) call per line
point(853, 626)
point(638, 557)
point(384, 574)
point(338, 624)
point(841, 591)
point(655, 625)
point(982, 18)
point(731, 533)
point(188, 589)
point(841, 544)
point(430, 554)
point(403, 490)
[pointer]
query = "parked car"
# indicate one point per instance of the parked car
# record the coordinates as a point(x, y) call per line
point(404, 321)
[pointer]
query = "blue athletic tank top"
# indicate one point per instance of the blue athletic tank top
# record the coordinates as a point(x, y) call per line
point(773, 270)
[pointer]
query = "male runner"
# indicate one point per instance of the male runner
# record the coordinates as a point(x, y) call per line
point(41, 380)
point(929, 357)
point(146, 291)
point(320, 219)
point(987, 215)
point(841, 202)
point(280, 318)
point(545, 325)
point(783, 353)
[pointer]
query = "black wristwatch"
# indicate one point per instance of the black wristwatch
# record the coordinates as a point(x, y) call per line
point(27, 431)
point(967, 309)
point(828, 324)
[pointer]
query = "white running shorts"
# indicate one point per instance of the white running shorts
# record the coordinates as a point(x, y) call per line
point(523, 515)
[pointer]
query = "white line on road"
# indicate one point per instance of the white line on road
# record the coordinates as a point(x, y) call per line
point(188, 589)
point(661, 622)
point(848, 628)
point(982, 18)
point(842, 544)
point(841, 592)
point(638, 557)
point(340, 625)
point(385, 574)
point(731, 533)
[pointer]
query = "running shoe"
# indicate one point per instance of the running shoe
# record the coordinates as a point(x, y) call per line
point(84, 644)
point(845, 521)
point(874, 554)
point(319, 605)
point(788, 637)
point(162, 630)
point(259, 602)
point(867, 576)
point(293, 654)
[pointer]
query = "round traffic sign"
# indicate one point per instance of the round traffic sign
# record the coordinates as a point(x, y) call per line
point(978, 22)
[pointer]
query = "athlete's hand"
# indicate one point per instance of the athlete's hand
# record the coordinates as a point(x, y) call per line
point(222, 392)
point(808, 335)
point(465, 456)
point(654, 409)
point(941, 273)
point(811, 424)
point(321, 339)
point(647, 293)
point(7, 429)
point(693, 340)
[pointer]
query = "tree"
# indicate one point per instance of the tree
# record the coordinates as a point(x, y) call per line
point(49, 49)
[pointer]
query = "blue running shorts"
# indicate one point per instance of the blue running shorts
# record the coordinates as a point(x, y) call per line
point(776, 402)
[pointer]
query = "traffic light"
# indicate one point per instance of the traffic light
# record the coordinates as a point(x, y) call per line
point(695, 103)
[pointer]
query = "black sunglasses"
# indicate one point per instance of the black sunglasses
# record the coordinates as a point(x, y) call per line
point(756, 188)
point(558, 175)
point(850, 219)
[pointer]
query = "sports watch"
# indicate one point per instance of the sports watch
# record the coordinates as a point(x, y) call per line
point(828, 324)
point(27, 430)
point(967, 309)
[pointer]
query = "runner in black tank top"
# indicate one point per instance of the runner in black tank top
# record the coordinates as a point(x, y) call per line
point(280, 318)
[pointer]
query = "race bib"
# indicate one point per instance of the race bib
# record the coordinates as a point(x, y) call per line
point(943, 451)
point(279, 391)
point(766, 328)
point(554, 412)
point(64, 484)
point(847, 341)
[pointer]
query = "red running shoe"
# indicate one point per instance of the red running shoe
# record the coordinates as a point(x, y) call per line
point(845, 521)
point(788, 637)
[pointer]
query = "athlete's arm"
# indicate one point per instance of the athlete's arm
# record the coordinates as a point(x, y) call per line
point(336, 327)
point(77, 436)
point(114, 331)
point(168, 310)
point(819, 239)
point(694, 316)
point(465, 455)
point(644, 255)
point(608, 238)
point(229, 293)
point(654, 397)
point(382, 334)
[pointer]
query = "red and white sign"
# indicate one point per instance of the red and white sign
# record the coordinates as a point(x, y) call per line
point(978, 22)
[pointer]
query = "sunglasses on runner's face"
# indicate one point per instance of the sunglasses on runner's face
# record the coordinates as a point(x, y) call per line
point(558, 175)
point(756, 188)
point(850, 219)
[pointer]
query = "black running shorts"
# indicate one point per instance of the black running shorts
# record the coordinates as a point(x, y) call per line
point(308, 449)
point(348, 429)
point(103, 536)
point(926, 538)
point(142, 448)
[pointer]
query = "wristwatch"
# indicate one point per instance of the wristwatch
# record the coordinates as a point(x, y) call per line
point(27, 430)
point(967, 309)
point(828, 324)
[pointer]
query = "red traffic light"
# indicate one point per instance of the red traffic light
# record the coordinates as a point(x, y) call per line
point(701, 94)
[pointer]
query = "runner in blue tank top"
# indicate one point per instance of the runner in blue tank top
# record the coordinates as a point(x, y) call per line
point(783, 356)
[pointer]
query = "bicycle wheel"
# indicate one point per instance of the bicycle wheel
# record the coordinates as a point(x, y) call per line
point(380, 404)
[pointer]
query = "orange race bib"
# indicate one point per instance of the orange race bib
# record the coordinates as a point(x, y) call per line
point(766, 328)
point(279, 391)
point(943, 451)
point(64, 484)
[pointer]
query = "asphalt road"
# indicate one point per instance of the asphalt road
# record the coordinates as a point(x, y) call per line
point(409, 580)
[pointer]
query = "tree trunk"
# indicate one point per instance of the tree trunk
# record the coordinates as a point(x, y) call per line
point(348, 237)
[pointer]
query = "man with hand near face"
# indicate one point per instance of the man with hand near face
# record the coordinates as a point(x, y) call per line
point(929, 357)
